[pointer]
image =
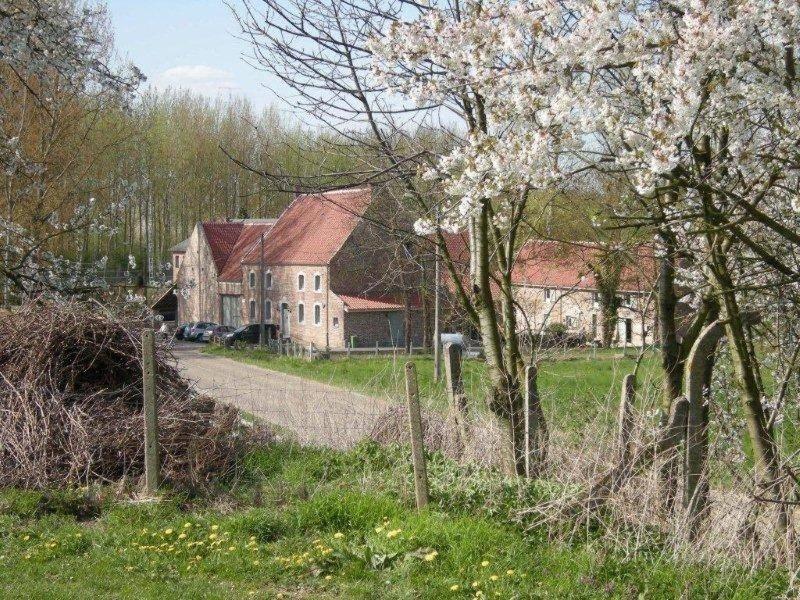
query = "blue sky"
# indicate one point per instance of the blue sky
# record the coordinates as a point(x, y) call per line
point(188, 44)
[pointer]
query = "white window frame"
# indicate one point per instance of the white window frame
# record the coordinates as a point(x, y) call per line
point(251, 279)
point(317, 323)
point(299, 288)
point(268, 274)
point(301, 313)
point(548, 294)
point(317, 278)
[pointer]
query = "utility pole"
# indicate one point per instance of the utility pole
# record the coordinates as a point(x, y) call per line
point(261, 325)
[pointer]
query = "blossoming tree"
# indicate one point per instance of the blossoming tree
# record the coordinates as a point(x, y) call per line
point(56, 78)
point(693, 103)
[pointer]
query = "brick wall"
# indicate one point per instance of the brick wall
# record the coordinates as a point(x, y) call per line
point(371, 327)
point(285, 289)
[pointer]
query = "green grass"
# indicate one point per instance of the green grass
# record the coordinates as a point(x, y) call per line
point(306, 523)
point(575, 389)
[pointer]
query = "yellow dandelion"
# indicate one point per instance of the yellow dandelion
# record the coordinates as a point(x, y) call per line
point(475, 584)
point(494, 578)
point(510, 572)
point(338, 535)
point(378, 529)
point(214, 527)
point(252, 538)
point(213, 536)
point(187, 525)
point(485, 563)
point(328, 577)
point(231, 548)
point(26, 538)
point(168, 532)
point(455, 588)
point(129, 568)
point(256, 563)
point(431, 555)
point(393, 533)
point(479, 594)
point(182, 536)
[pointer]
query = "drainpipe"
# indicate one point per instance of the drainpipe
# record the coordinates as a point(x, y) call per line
point(327, 310)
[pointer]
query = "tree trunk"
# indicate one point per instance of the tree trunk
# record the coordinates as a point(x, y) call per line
point(505, 394)
point(765, 450)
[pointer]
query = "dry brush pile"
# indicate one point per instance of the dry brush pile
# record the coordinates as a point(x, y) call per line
point(71, 403)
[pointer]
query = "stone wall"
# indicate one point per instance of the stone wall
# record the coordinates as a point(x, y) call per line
point(198, 297)
point(578, 310)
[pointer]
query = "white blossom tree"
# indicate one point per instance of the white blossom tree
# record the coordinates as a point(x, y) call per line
point(692, 102)
point(56, 78)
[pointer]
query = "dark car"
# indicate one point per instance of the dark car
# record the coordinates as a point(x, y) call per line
point(249, 334)
point(217, 333)
point(195, 334)
point(183, 330)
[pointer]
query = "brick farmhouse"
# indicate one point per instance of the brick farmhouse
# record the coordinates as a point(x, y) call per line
point(325, 278)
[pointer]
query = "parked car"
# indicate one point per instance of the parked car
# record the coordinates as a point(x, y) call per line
point(471, 348)
point(216, 334)
point(249, 334)
point(183, 330)
point(196, 333)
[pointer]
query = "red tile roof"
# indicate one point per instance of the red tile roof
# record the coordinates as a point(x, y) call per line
point(313, 228)
point(357, 304)
point(222, 237)
point(249, 240)
point(560, 265)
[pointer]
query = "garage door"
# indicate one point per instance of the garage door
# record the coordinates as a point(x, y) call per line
point(232, 311)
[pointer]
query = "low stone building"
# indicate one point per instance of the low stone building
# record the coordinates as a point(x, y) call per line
point(327, 275)
point(554, 283)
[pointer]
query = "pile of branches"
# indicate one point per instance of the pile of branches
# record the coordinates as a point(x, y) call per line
point(71, 403)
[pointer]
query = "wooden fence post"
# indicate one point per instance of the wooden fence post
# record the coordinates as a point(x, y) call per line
point(455, 389)
point(417, 442)
point(625, 424)
point(151, 463)
point(535, 428)
point(376, 348)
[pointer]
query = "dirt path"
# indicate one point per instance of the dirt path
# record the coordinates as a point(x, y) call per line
point(317, 413)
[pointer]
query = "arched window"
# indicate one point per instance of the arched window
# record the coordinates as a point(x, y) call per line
point(317, 282)
point(252, 279)
point(301, 281)
point(267, 311)
point(252, 309)
point(268, 280)
point(301, 312)
point(317, 314)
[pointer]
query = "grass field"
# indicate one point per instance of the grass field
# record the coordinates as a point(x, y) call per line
point(575, 389)
point(305, 523)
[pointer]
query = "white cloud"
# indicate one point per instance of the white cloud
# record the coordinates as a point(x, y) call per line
point(197, 78)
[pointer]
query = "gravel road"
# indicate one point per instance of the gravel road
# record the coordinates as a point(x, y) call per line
point(318, 414)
